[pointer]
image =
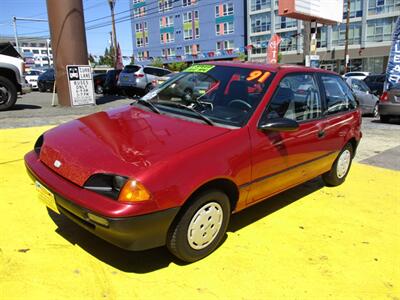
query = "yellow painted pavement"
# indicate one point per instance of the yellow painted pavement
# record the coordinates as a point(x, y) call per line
point(311, 242)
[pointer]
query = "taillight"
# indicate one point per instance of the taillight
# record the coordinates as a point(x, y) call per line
point(139, 75)
point(384, 97)
point(23, 68)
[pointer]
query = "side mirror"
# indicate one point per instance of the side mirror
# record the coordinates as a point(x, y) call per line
point(279, 124)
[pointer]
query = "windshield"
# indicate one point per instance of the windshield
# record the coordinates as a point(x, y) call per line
point(225, 95)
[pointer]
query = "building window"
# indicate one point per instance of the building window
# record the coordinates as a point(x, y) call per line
point(164, 5)
point(284, 22)
point(259, 44)
point(143, 54)
point(168, 52)
point(261, 23)
point(166, 21)
point(192, 49)
point(225, 45)
point(376, 7)
point(139, 12)
point(225, 9)
point(380, 30)
point(188, 2)
point(139, 27)
point(289, 41)
point(141, 42)
point(339, 34)
point(224, 28)
point(167, 37)
point(355, 9)
point(188, 34)
point(188, 16)
point(322, 37)
point(259, 4)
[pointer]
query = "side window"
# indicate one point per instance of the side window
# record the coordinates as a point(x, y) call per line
point(337, 94)
point(297, 97)
point(149, 71)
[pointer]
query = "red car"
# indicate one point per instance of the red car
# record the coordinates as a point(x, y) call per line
point(170, 169)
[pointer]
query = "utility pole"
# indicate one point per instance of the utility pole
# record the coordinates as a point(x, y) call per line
point(68, 41)
point(306, 39)
point(346, 45)
point(15, 33)
point(114, 34)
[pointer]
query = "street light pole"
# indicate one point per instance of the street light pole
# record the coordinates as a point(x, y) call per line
point(114, 34)
point(15, 33)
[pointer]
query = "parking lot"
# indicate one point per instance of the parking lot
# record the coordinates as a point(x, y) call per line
point(311, 242)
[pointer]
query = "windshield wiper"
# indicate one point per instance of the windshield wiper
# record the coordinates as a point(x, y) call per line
point(179, 105)
point(147, 104)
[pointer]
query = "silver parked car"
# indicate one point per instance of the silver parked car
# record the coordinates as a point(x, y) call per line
point(389, 106)
point(368, 101)
point(136, 79)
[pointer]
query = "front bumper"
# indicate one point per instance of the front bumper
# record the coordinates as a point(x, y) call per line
point(132, 233)
point(389, 109)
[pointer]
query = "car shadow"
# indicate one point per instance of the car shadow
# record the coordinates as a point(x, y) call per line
point(103, 99)
point(394, 121)
point(273, 204)
point(23, 107)
point(154, 259)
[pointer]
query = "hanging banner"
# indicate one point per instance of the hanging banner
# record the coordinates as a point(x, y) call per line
point(393, 67)
point(273, 49)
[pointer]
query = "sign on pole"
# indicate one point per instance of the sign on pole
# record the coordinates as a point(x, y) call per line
point(80, 82)
point(273, 49)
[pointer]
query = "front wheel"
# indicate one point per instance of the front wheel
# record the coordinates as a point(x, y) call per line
point(8, 93)
point(340, 167)
point(201, 226)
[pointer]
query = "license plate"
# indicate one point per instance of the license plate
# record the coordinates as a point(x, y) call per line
point(46, 197)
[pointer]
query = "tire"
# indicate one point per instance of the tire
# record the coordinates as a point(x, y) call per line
point(208, 214)
point(375, 111)
point(340, 167)
point(384, 119)
point(98, 89)
point(42, 89)
point(8, 93)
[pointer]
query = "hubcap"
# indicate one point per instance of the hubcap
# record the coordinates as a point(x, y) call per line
point(4, 95)
point(343, 163)
point(205, 225)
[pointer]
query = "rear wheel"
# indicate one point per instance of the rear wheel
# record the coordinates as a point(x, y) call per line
point(8, 93)
point(375, 111)
point(340, 167)
point(201, 226)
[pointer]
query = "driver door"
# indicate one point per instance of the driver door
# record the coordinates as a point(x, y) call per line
point(285, 159)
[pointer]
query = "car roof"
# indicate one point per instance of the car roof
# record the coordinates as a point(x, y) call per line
point(269, 67)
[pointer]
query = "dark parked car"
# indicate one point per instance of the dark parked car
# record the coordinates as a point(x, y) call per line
point(110, 84)
point(46, 80)
point(170, 169)
point(98, 81)
point(375, 83)
point(389, 105)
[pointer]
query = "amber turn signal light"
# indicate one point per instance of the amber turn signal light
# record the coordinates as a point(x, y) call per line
point(133, 191)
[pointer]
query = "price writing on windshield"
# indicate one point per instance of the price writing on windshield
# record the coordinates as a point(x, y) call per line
point(259, 75)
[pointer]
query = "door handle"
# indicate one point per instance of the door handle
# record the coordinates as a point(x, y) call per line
point(321, 133)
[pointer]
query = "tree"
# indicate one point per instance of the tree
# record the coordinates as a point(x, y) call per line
point(107, 58)
point(177, 66)
point(91, 59)
point(242, 56)
point(157, 62)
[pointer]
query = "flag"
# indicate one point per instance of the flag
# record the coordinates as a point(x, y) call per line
point(273, 49)
point(393, 67)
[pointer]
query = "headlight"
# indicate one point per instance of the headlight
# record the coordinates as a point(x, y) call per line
point(108, 185)
point(118, 188)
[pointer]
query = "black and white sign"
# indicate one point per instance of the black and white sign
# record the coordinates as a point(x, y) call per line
point(80, 83)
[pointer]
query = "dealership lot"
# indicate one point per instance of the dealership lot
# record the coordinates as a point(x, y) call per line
point(308, 242)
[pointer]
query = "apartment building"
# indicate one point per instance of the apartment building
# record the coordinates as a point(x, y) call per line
point(187, 30)
point(371, 25)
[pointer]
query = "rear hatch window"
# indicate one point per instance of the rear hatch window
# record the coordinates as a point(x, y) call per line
point(131, 69)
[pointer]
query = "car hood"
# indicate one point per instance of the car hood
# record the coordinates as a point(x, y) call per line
point(122, 141)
